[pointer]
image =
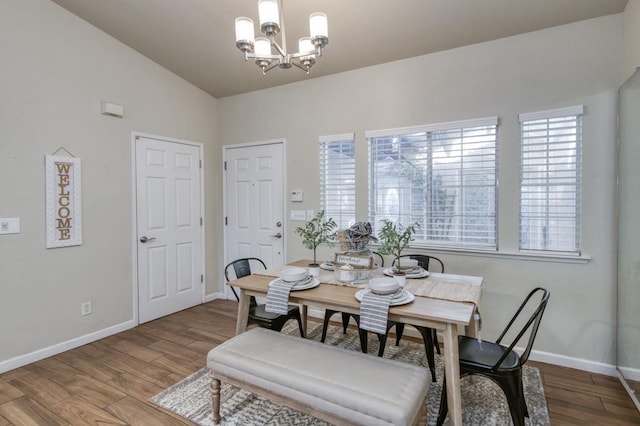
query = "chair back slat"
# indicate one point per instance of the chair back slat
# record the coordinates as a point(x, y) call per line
point(242, 268)
point(534, 320)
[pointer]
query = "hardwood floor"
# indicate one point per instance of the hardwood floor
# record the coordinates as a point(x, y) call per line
point(109, 381)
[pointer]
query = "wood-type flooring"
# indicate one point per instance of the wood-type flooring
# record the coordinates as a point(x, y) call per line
point(109, 381)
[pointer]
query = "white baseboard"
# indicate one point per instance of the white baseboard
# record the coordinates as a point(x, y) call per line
point(577, 363)
point(630, 373)
point(213, 296)
point(39, 354)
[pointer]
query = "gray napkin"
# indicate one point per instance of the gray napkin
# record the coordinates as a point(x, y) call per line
point(374, 311)
point(278, 296)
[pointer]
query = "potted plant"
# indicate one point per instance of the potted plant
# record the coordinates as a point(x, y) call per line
point(394, 238)
point(315, 232)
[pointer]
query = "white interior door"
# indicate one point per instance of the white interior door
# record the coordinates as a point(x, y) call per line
point(254, 201)
point(169, 227)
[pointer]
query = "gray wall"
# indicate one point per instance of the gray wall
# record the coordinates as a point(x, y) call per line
point(631, 31)
point(568, 65)
point(54, 71)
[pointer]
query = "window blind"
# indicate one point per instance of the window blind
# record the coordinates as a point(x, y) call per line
point(551, 180)
point(338, 179)
point(442, 176)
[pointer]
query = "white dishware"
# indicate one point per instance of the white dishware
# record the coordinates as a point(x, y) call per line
point(311, 282)
point(383, 285)
point(293, 274)
point(418, 273)
point(404, 298)
point(401, 279)
point(328, 266)
point(406, 263)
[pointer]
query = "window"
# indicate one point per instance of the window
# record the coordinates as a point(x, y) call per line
point(551, 180)
point(338, 179)
point(441, 175)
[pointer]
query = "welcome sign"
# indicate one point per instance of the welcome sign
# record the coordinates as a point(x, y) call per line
point(63, 201)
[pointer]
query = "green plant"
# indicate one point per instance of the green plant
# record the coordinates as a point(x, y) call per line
point(317, 231)
point(394, 238)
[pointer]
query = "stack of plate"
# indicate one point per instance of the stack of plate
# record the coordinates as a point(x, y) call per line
point(303, 284)
point(411, 273)
point(401, 297)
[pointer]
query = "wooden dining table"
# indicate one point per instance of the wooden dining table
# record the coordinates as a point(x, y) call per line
point(450, 317)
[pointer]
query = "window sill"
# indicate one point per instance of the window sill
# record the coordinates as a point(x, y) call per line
point(532, 256)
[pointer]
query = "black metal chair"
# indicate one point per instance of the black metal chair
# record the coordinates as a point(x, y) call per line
point(501, 363)
point(257, 313)
point(328, 313)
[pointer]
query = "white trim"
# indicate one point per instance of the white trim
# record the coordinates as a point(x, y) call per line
point(552, 113)
point(570, 362)
point(536, 257)
point(43, 353)
point(630, 373)
point(487, 121)
point(282, 141)
point(217, 295)
point(337, 138)
point(134, 211)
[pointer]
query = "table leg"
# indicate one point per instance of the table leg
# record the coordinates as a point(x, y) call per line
point(452, 374)
point(243, 312)
point(303, 313)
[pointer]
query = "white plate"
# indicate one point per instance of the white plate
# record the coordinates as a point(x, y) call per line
point(421, 274)
point(303, 286)
point(406, 297)
point(327, 266)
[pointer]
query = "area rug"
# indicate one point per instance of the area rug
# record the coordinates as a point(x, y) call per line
point(483, 403)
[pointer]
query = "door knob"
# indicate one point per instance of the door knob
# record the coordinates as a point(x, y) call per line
point(278, 235)
point(144, 239)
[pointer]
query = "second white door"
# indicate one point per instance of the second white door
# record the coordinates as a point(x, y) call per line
point(254, 192)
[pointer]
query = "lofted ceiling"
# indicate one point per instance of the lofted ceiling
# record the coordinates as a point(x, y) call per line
point(195, 39)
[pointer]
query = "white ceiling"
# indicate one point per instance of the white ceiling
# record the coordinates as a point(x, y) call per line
point(196, 38)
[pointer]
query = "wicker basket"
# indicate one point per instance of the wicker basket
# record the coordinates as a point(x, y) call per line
point(351, 274)
point(351, 244)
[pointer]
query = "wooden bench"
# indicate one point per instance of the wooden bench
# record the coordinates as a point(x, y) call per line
point(343, 387)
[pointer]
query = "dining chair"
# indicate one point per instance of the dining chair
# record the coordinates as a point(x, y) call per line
point(328, 313)
point(501, 363)
point(257, 313)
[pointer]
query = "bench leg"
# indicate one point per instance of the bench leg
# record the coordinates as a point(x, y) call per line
point(215, 399)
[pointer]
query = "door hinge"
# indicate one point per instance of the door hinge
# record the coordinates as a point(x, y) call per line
point(201, 278)
point(200, 163)
point(226, 222)
point(200, 221)
point(225, 165)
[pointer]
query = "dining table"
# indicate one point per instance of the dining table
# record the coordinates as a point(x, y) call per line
point(443, 311)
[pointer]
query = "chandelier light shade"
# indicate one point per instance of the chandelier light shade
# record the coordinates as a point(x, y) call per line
point(271, 24)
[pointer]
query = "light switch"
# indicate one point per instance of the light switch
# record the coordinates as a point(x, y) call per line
point(9, 225)
point(298, 215)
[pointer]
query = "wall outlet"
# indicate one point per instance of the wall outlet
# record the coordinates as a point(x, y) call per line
point(85, 308)
point(310, 214)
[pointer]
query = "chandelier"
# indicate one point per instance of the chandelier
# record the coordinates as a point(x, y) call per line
point(272, 23)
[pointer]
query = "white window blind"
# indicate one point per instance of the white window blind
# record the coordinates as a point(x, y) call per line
point(442, 176)
point(338, 179)
point(551, 180)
